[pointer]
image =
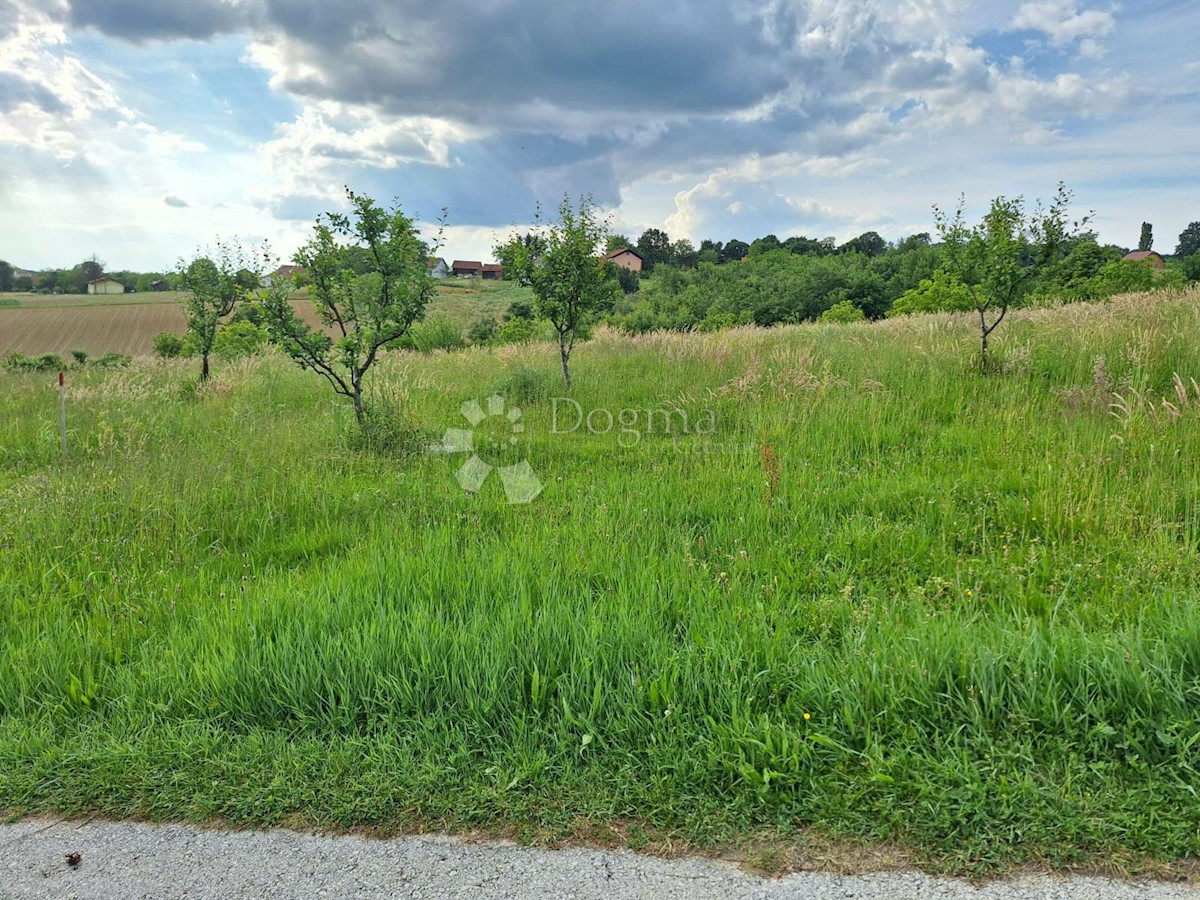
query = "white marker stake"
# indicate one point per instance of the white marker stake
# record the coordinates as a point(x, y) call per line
point(62, 411)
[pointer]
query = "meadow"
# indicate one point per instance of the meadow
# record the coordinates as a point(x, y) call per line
point(870, 597)
point(127, 323)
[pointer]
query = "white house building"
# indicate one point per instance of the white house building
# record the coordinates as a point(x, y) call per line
point(105, 285)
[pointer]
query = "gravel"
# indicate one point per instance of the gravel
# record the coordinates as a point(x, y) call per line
point(124, 861)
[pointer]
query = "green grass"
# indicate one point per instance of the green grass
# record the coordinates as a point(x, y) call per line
point(887, 599)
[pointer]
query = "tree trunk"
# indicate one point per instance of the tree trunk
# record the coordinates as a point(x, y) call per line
point(565, 353)
point(359, 414)
point(983, 342)
point(204, 366)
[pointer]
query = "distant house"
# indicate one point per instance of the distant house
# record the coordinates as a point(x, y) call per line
point(437, 268)
point(626, 258)
point(158, 286)
point(105, 285)
point(466, 268)
point(493, 272)
point(283, 273)
point(1156, 261)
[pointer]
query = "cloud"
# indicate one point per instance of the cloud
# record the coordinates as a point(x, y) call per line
point(1064, 23)
point(138, 20)
point(176, 202)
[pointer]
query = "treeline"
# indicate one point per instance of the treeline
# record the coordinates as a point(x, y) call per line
point(75, 279)
point(769, 281)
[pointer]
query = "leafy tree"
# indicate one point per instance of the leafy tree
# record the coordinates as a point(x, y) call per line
point(998, 259)
point(529, 244)
point(940, 293)
point(803, 246)
point(764, 244)
point(617, 242)
point(1191, 267)
point(684, 254)
point(868, 243)
point(1125, 276)
point(368, 311)
point(629, 280)
point(1189, 241)
point(1146, 241)
point(914, 242)
point(654, 246)
point(23, 283)
point(6, 276)
point(213, 290)
point(90, 270)
point(733, 251)
point(571, 285)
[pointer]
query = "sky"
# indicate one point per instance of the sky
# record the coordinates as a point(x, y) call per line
point(140, 130)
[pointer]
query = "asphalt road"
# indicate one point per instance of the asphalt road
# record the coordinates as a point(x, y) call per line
point(125, 861)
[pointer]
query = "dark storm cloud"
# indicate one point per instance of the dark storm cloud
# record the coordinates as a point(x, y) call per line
point(145, 20)
point(471, 60)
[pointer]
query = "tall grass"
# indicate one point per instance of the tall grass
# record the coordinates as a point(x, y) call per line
point(882, 596)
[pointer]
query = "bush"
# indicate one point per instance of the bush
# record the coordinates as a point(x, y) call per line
point(844, 312)
point(20, 362)
point(1125, 276)
point(515, 331)
point(482, 330)
point(80, 356)
point(436, 333)
point(168, 345)
point(387, 430)
point(239, 339)
point(526, 385)
point(1191, 267)
point(520, 309)
point(112, 361)
point(941, 293)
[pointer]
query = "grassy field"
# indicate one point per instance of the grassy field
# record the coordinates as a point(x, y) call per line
point(127, 323)
point(870, 595)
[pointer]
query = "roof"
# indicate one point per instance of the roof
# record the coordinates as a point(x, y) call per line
point(288, 271)
point(434, 260)
point(103, 279)
point(1137, 255)
point(613, 254)
point(493, 267)
point(467, 264)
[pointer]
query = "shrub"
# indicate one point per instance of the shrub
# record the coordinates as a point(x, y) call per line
point(387, 430)
point(482, 330)
point(239, 339)
point(112, 361)
point(20, 362)
point(843, 311)
point(941, 293)
point(436, 333)
point(515, 331)
point(519, 309)
point(525, 385)
point(168, 345)
point(80, 357)
point(1129, 276)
